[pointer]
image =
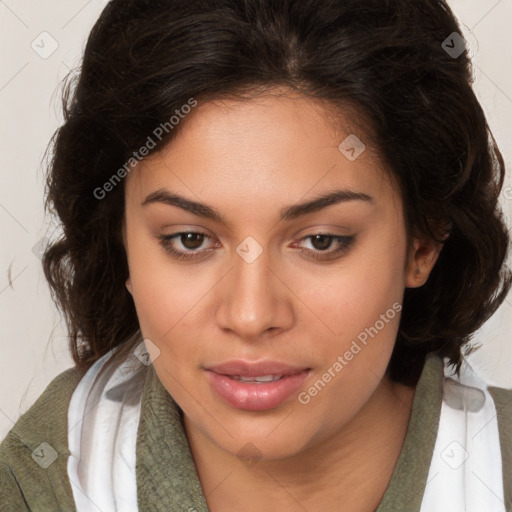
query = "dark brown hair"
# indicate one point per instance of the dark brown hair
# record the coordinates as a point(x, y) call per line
point(145, 59)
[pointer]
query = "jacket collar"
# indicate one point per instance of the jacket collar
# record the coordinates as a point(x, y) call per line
point(166, 474)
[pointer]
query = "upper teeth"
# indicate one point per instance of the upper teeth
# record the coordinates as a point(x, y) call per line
point(262, 378)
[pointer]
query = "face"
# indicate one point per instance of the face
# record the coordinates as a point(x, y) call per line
point(236, 280)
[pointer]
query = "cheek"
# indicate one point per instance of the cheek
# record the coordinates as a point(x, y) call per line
point(361, 305)
point(363, 316)
point(365, 286)
point(161, 292)
point(167, 303)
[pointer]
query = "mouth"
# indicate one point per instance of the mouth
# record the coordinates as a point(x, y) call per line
point(255, 386)
point(258, 380)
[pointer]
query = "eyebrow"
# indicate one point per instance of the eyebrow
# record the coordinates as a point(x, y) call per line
point(288, 213)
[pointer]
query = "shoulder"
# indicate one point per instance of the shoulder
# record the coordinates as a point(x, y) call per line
point(471, 380)
point(491, 418)
point(45, 417)
point(33, 455)
point(502, 398)
point(503, 402)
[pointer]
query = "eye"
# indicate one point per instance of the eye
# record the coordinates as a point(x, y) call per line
point(192, 245)
point(322, 242)
point(191, 241)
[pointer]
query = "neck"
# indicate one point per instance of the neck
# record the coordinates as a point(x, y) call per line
point(352, 468)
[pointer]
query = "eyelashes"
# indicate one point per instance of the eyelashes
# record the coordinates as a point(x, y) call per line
point(168, 243)
point(195, 239)
point(343, 245)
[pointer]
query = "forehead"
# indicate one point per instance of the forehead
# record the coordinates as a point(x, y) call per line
point(264, 147)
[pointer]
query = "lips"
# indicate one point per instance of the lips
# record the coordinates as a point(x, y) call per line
point(255, 386)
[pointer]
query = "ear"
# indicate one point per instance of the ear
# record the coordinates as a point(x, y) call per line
point(421, 260)
point(128, 285)
point(128, 282)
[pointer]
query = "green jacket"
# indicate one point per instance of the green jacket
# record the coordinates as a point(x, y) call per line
point(165, 471)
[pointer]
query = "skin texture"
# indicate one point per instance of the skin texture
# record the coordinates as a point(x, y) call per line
point(249, 160)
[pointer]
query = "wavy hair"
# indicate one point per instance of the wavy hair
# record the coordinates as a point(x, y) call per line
point(144, 59)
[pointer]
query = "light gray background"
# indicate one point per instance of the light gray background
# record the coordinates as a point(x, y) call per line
point(33, 344)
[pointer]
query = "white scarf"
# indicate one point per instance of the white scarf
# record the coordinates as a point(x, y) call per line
point(103, 417)
point(465, 473)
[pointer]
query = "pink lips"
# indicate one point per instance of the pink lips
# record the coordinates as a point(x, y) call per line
point(255, 396)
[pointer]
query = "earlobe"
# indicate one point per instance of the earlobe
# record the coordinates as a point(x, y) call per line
point(128, 282)
point(422, 258)
point(128, 285)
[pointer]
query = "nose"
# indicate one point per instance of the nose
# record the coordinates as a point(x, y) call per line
point(255, 303)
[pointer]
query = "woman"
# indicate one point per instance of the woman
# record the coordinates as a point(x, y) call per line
point(281, 229)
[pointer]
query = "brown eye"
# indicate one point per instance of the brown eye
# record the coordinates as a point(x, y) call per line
point(192, 240)
point(185, 245)
point(321, 246)
point(321, 242)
